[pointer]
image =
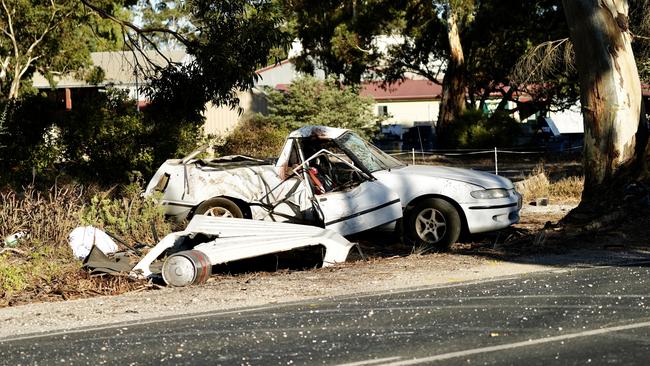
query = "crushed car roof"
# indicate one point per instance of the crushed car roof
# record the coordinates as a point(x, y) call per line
point(320, 132)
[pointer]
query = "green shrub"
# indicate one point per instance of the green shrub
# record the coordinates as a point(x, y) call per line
point(126, 215)
point(103, 139)
point(309, 101)
point(103, 136)
point(254, 136)
point(476, 130)
point(41, 265)
point(24, 148)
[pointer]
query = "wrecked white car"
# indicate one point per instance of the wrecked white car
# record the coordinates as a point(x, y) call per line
point(330, 177)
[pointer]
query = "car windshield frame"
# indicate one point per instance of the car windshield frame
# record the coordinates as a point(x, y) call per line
point(370, 157)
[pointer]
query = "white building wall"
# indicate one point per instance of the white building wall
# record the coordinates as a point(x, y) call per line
point(221, 120)
point(406, 113)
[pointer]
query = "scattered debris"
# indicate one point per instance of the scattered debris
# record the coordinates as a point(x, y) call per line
point(83, 238)
point(118, 263)
point(13, 239)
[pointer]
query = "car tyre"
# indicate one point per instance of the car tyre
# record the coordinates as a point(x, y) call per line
point(219, 207)
point(432, 222)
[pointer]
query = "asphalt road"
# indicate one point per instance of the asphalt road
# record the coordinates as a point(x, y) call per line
point(567, 317)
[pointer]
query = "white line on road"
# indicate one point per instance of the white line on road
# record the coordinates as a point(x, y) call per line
point(530, 342)
point(523, 297)
point(370, 362)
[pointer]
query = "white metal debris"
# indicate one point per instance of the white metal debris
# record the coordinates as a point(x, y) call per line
point(83, 238)
point(237, 239)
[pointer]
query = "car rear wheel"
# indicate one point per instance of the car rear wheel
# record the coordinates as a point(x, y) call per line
point(219, 207)
point(432, 222)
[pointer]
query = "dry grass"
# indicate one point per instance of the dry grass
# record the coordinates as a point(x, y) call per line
point(41, 265)
point(538, 185)
point(48, 217)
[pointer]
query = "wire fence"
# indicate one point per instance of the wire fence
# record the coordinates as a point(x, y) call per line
point(423, 154)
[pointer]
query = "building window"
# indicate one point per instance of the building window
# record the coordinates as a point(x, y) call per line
point(382, 110)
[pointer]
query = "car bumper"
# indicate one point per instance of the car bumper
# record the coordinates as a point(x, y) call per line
point(488, 216)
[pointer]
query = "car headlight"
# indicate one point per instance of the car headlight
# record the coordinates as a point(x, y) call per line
point(490, 193)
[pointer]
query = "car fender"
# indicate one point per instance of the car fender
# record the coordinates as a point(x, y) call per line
point(412, 187)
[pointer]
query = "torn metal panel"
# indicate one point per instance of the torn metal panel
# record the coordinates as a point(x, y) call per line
point(235, 239)
point(259, 184)
point(98, 262)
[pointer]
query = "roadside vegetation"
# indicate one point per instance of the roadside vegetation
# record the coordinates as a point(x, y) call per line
point(561, 190)
point(40, 266)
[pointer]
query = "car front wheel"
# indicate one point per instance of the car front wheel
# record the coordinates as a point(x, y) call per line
point(219, 207)
point(432, 222)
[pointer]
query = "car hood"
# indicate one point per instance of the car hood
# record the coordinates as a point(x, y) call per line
point(475, 177)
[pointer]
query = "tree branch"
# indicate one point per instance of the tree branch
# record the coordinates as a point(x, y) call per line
point(542, 59)
point(125, 24)
point(11, 33)
point(636, 36)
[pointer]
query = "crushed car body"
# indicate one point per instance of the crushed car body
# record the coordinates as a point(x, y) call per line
point(188, 256)
point(331, 178)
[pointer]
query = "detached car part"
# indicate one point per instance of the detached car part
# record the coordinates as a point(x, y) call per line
point(231, 239)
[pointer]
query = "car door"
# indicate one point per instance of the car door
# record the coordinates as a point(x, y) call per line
point(349, 200)
point(365, 206)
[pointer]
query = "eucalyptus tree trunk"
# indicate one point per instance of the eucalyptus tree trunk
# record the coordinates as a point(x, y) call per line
point(453, 101)
point(616, 139)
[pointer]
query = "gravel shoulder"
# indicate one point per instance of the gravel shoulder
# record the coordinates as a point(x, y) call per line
point(226, 292)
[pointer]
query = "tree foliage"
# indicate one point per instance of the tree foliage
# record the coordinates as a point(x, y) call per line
point(309, 101)
point(32, 36)
point(338, 36)
point(53, 37)
point(493, 34)
point(166, 14)
point(227, 42)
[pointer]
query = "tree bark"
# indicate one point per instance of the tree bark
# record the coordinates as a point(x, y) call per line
point(615, 139)
point(454, 84)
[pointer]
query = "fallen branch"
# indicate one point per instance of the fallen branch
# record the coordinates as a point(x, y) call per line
point(13, 250)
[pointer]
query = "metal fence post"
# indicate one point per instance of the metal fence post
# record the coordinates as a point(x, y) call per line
point(496, 162)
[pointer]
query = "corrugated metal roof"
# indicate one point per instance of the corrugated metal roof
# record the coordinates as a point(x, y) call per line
point(119, 68)
point(408, 89)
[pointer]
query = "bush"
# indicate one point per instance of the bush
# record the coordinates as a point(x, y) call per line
point(254, 136)
point(24, 149)
point(126, 215)
point(42, 265)
point(47, 217)
point(309, 101)
point(104, 139)
point(476, 130)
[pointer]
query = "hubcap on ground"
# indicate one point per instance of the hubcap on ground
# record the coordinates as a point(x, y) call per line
point(218, 212)
point(430, 225)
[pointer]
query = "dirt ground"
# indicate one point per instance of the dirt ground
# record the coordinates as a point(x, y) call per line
point(388, 267)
